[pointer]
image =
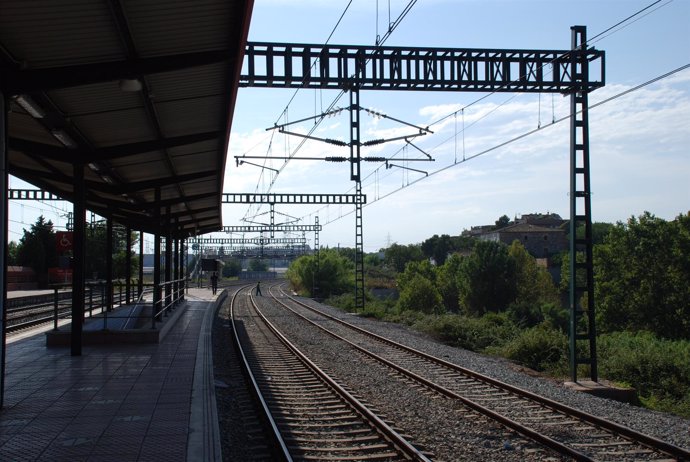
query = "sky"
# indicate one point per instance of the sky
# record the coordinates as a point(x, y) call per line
point(639, 142)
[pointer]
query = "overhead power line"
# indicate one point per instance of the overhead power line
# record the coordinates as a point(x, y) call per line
point(514, 139)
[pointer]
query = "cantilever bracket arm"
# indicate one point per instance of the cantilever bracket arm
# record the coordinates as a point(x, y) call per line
point(239, 162)
point(323, 115)
point(315, 138)
point(418, 149)
point(422, 130)
point(389, 165)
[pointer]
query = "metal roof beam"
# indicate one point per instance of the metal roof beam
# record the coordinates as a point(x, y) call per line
point(63, 154)
point(151, 184)
point(35, 80)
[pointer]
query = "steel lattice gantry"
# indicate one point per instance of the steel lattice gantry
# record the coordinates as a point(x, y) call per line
point(267, 229)
point(574, 72)
point(251, 240)
point(274, 198)
point(284, 65)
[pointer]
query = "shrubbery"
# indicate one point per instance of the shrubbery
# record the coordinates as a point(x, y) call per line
point(499, 301)
point(540, 348)
point(658, 369)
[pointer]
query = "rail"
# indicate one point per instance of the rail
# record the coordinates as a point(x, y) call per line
point(616, 430)
point(55, 307)
point(286, 372)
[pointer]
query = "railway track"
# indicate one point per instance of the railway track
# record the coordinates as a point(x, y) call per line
point(311, 416)
point(36, 313)
point(568, 431)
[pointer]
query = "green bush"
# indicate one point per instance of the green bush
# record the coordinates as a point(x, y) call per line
point(540, 348)
point(476, 334)
point(420, 294)
point(659, 369)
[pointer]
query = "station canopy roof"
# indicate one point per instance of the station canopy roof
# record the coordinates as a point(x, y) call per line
point(139, 92)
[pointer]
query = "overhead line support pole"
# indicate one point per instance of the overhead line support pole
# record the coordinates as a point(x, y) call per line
point(355, 175)
point(582, 319)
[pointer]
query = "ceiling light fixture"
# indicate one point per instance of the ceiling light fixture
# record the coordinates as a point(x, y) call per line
point(30, 106)
point(130, 85)
point(64, 138)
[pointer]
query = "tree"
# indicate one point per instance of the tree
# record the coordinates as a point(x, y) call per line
point(12, 253)
point(534, 288)
point(335, 274)
point(257, 264)
point(37, 248)
point(447, 282)
point(502, 222)
point(397, 256)
point(641, 277)
point(534, 284)
point(438, 248)
point(420, 294)
point(95, 254)
point(487, 279)
point(416, 268)
point(231, 268)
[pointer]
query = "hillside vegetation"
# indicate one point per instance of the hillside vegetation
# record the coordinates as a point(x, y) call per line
point(493, 298)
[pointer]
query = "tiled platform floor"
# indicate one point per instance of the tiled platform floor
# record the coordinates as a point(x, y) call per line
point(114, 403)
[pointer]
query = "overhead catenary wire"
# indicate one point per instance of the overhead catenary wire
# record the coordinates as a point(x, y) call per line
point(518, 138)
point(607, 32)
point(391, 28)
point(627, 21)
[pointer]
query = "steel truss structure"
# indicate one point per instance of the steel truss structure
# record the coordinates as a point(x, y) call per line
point(412, 68)
point(276, 198)
point(574, 72)
point(258, 252)
point(251, 240)
point(582, 319)
point(274, 228)
point(32, 195)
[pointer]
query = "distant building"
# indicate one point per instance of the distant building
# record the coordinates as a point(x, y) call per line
point(539, 241)
point(548, 220)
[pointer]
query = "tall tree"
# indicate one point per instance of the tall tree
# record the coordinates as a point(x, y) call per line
point(335, 274)
point(12, 251)
point(397, 256)
point(438, 248)
point(502, 222)
point(447, 282)
point(37, 248)
point(487, 279)
point(642, 274)
point(95, 261)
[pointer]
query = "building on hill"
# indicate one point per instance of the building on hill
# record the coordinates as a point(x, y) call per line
point(548, 220)
point(539, 241)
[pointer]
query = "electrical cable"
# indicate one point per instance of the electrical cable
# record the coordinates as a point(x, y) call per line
point(597, 37)
point(317, 122)
point(520, 137)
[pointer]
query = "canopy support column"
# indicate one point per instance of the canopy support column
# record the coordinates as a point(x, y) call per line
point(78, 253)
point(3, 240)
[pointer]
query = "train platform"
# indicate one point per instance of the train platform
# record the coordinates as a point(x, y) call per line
point(116, 402)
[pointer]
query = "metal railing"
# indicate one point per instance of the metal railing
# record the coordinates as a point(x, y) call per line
point(163, 304)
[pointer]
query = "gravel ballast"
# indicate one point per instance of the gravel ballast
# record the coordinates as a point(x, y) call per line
point(435, 424)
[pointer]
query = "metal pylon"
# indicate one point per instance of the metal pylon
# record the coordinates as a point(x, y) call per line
point(314, 287)
point(359, 251)
point(582, 315)
point(355, 165)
